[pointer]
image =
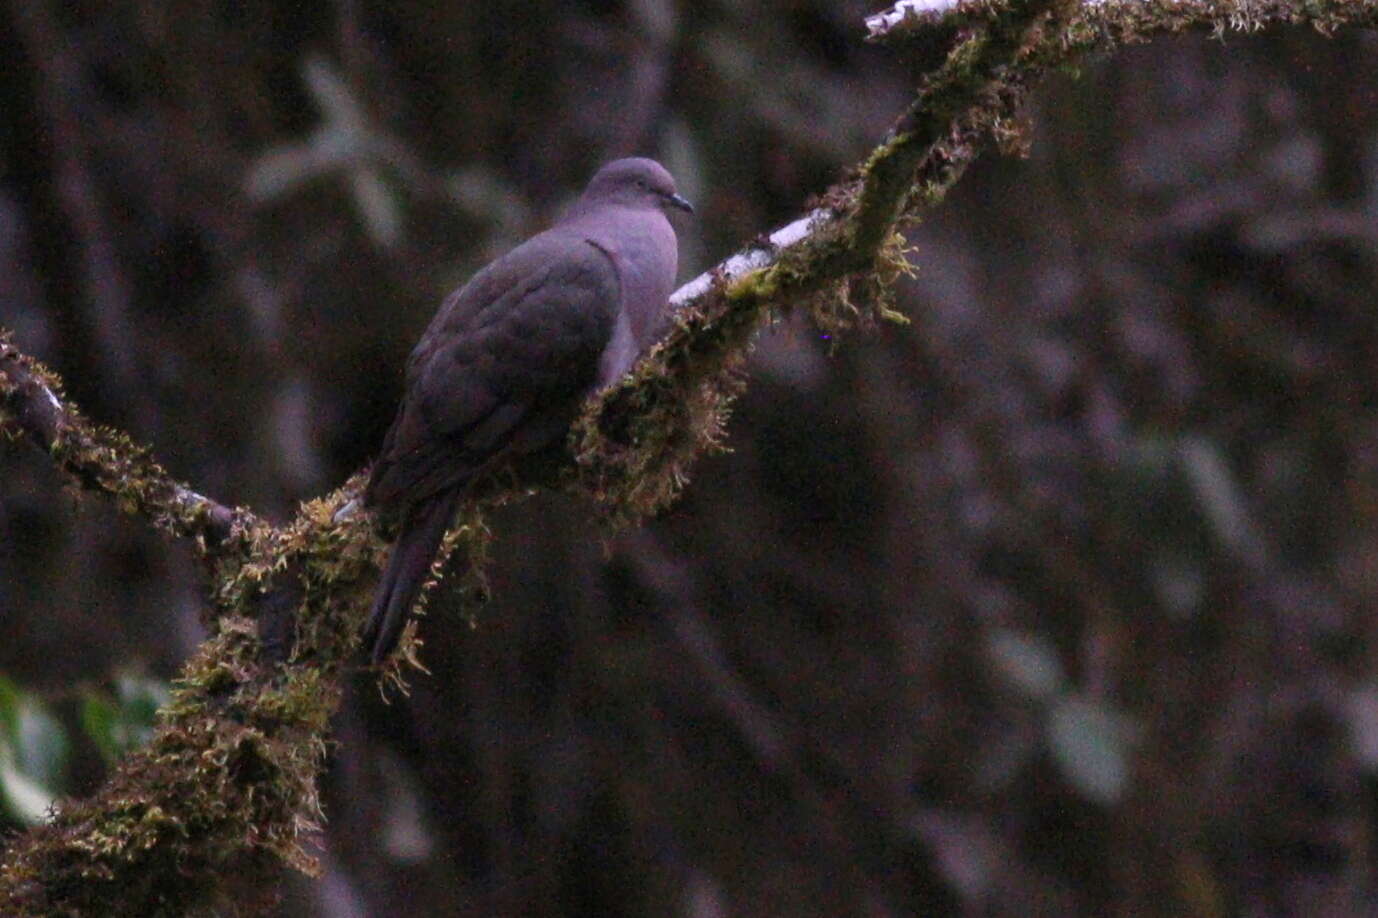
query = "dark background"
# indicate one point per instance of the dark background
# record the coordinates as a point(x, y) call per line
point(1057, 601)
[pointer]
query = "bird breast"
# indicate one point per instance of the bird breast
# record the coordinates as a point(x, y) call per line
point(643, 253)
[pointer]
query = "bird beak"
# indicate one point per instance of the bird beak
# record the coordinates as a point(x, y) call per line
point(675, 200)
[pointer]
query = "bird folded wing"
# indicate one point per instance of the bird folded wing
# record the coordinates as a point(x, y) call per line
point(502, 368)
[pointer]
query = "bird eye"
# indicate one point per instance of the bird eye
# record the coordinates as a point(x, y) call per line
point(641, 183)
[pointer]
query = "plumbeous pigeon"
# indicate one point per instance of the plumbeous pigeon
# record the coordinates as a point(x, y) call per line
point(508, 359)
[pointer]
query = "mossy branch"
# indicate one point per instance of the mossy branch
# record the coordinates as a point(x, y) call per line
point(1102, 25)
point(105, 460)
point(228, 784)
point(636, 440)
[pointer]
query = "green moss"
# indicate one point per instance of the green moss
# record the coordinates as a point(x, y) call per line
point(760, 284)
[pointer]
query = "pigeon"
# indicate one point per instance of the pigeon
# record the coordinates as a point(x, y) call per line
point(503, 368)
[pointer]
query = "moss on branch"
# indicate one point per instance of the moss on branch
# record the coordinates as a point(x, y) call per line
point(635, 441)
point(228, 784)
point(100, 459)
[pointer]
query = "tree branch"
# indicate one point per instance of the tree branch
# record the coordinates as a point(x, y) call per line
point(108, 461)
point(229, 780)
point(1104, 24)
point(635, 441)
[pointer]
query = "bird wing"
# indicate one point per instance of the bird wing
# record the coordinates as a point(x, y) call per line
point(502, 368)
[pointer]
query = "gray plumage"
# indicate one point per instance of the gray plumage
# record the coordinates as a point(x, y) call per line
point(502, 369)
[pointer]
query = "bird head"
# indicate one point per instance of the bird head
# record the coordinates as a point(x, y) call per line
point(636, 182)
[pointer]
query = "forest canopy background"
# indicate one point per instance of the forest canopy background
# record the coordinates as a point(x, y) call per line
point(1059, 595)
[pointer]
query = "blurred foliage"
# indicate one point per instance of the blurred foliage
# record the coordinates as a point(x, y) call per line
point(36, 741)
point(33, 754)
point(120, 723)
point(1057, 601)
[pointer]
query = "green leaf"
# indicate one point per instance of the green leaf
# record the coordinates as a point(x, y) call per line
point(1027, 662)
point(99, 718)
point(125, 722)
point(284, 168)
point(377, 206)
point(1090, 743)
point(40, 743)
point(33, 754)
point(333, 96)
point(26, 799)
point(1221, 498)
point(9, 706)
point(141, 697)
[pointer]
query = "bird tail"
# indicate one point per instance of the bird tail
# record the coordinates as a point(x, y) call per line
point(423, 529)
